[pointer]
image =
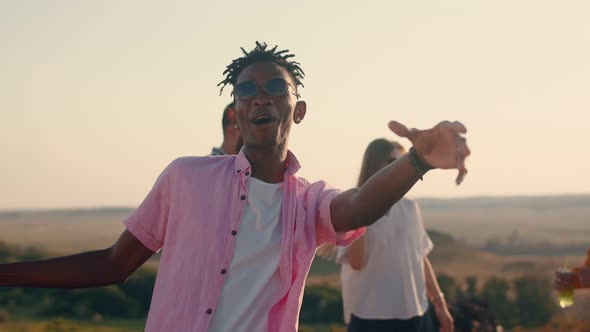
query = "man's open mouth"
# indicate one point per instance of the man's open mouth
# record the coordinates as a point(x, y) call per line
point(262, 120)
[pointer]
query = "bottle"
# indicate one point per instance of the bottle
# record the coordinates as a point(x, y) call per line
point(566, 296)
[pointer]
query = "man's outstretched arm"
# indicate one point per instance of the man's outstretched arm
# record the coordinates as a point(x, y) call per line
point(90, 269)
point(439, 147)
point(362, 206)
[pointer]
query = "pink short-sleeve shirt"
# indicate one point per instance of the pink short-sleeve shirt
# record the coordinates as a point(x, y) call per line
point(193, 213)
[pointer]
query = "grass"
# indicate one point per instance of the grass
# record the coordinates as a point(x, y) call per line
point(20, 319)
point(322, 328)
point(65, 325)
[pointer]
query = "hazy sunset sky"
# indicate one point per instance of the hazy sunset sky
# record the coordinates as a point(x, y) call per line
point(96, 98)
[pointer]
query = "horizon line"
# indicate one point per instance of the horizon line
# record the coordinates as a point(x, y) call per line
point(432, 198)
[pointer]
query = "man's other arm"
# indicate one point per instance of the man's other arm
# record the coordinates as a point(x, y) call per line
point(89, 269)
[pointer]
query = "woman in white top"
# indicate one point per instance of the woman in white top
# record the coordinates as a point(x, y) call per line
point(386, 274)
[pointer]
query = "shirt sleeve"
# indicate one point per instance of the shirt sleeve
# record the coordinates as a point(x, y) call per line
point(148, 222)
point(324, 229)
point(426, 243)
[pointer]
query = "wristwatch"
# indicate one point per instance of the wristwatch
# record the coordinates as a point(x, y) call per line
point(421, 166)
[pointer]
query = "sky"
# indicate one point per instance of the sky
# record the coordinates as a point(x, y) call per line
point(96, 98)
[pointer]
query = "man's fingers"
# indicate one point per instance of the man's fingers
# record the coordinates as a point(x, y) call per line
point(461, 141)
point(442, 132)
point(466, 151)
point(461, 176)
point(458, 127)
point(462, 153)
point(399, 129)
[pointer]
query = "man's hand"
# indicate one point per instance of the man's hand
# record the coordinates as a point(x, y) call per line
point(444, 316)
point(578, 278)
point(584, 276)
point(442, 146)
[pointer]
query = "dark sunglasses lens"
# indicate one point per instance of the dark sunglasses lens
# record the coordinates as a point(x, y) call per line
point(245, 89)
point(276, 87)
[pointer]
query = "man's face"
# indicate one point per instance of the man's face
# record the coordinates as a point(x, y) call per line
point(265, 120)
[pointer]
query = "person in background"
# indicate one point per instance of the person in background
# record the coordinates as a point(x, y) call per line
point(386, 275)
point(232, 137)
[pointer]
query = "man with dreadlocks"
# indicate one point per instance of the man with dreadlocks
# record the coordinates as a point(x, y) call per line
point(239, 233)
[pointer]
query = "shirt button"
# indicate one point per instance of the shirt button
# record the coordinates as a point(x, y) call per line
point(234, 232)
point(209, 311)
point(223, 271)
point(243, 197)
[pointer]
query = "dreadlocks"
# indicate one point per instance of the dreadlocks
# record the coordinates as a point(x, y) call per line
point(261, 54)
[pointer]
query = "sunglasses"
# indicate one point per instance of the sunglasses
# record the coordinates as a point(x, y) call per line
point(275, 87)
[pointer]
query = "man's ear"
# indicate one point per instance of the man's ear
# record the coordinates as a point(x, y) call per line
point(232, 116)
point(300, 110)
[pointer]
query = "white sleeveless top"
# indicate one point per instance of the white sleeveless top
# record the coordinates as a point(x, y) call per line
point(392, 285)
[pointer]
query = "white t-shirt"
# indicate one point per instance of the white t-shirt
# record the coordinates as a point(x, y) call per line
point(392, 284)
point(253, 278)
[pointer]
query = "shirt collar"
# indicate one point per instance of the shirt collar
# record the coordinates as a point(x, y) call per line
point(218, 152)
point(242, 164)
